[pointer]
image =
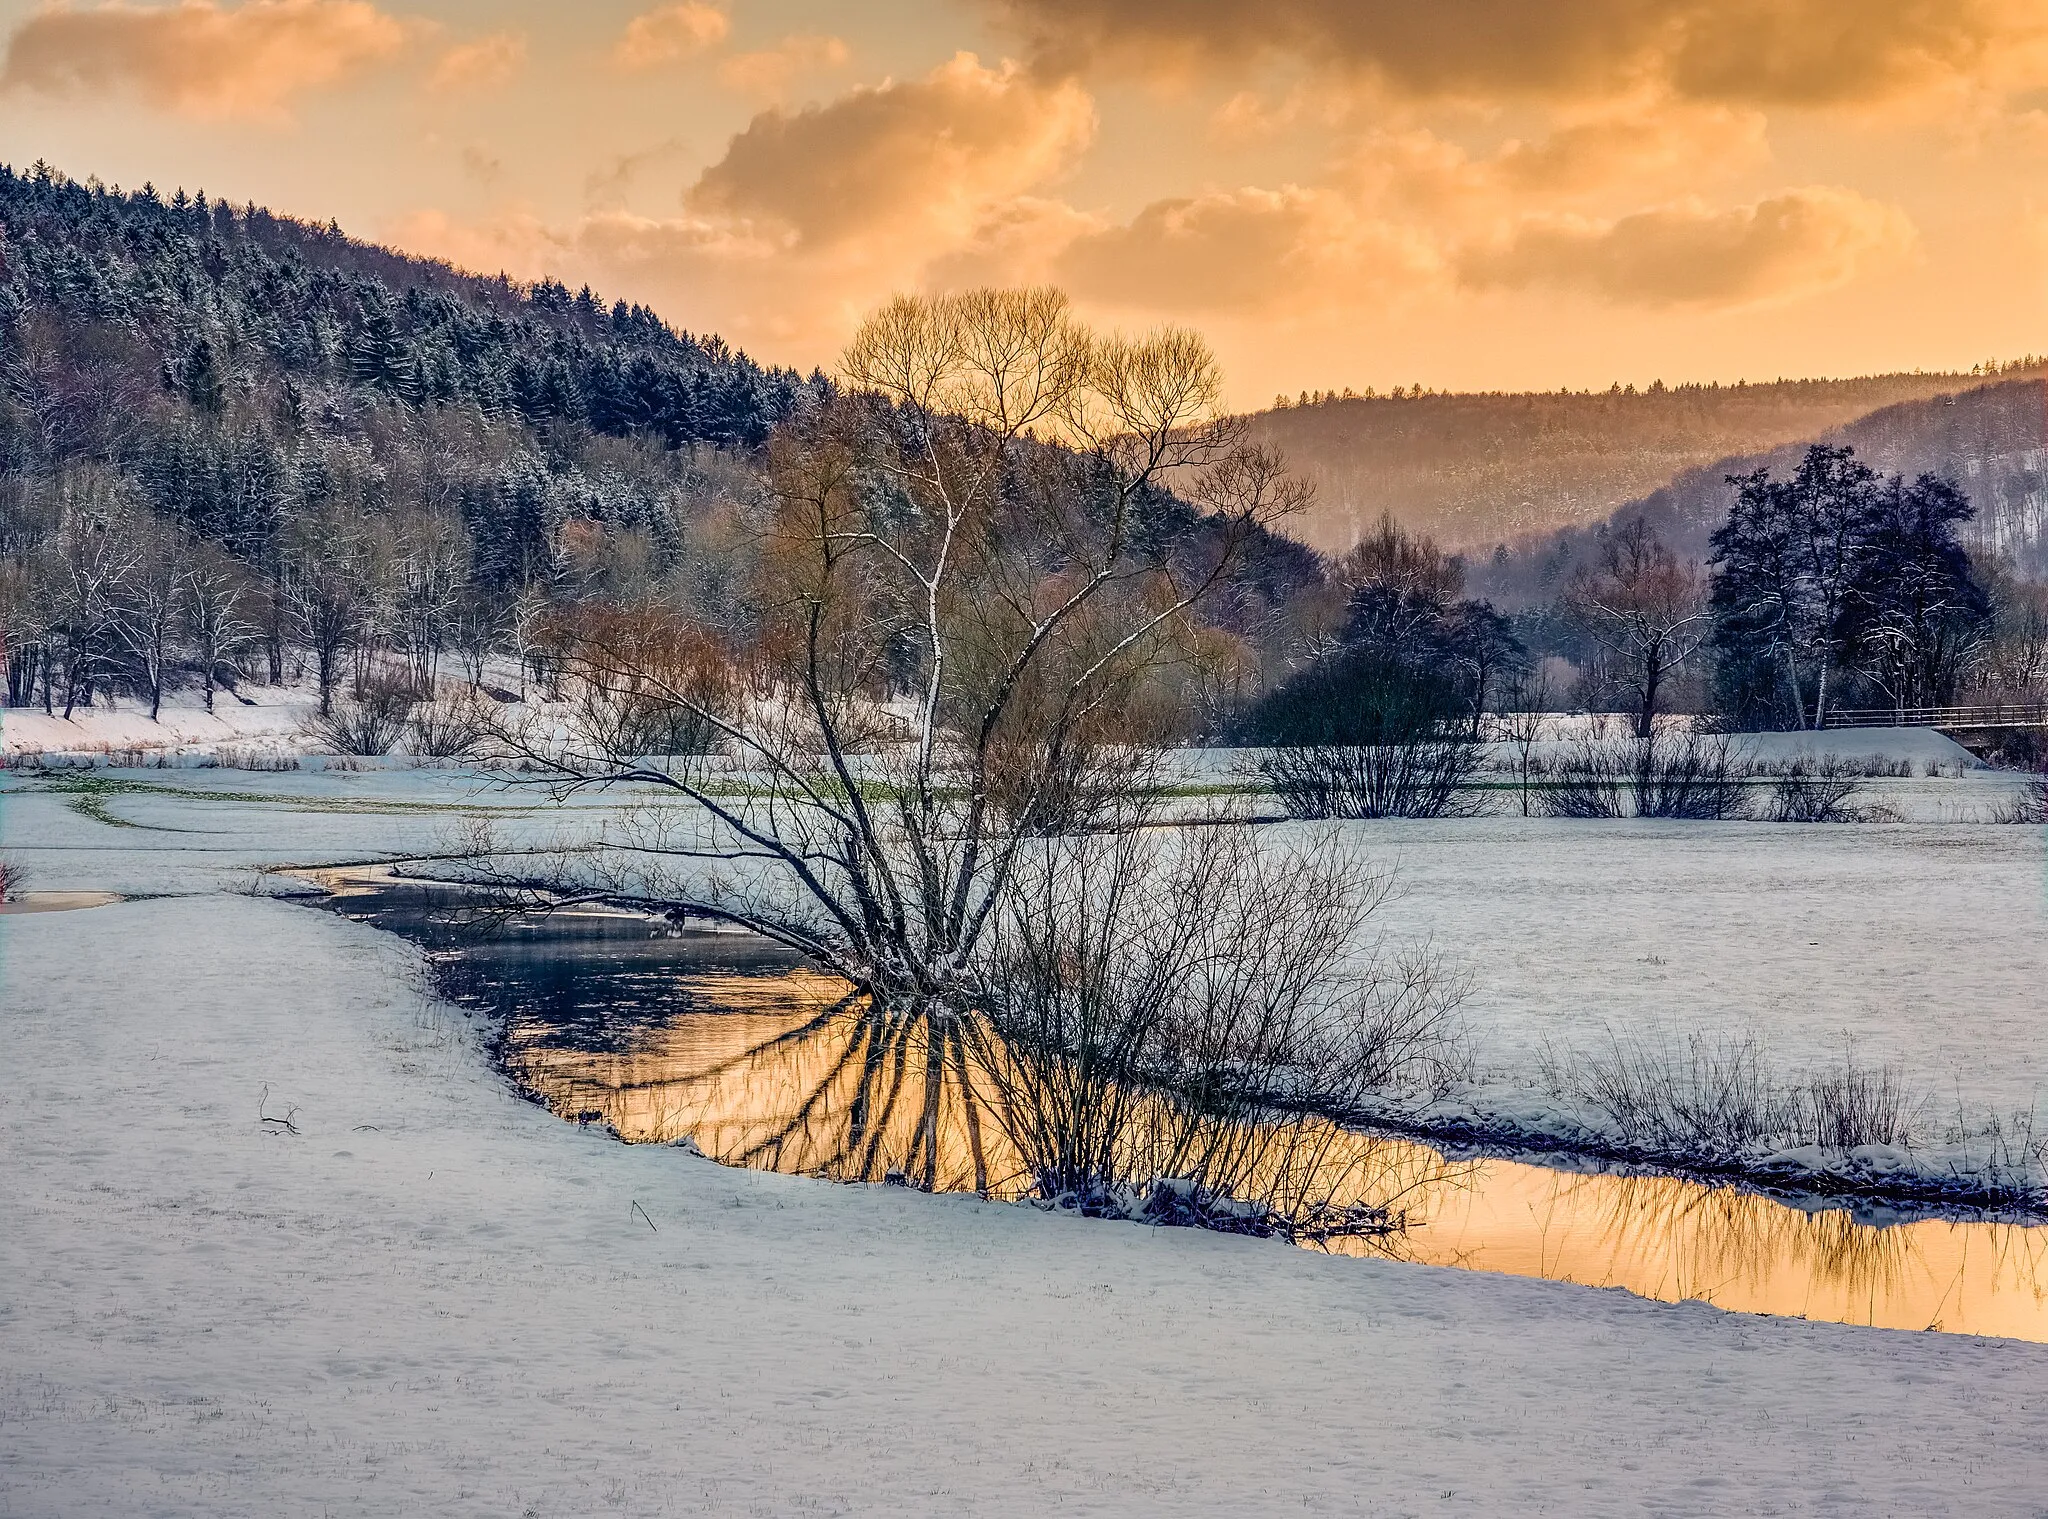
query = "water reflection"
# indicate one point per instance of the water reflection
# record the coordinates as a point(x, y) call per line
point(666, 1033)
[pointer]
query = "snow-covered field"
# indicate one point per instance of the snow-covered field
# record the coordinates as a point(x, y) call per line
point(263, 721)
point(437, 1298)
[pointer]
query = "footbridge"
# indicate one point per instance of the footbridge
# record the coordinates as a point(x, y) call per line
point(1981, 719)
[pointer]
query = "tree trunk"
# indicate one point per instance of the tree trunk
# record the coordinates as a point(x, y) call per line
point(325, 655)
point(1646, 721)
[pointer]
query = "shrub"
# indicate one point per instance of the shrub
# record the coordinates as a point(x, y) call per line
point(11, 878)
point(1808, 790)
point(371, 721)
point(1422, 777)
point(1366, 733)
point(1692, 775)
point(1716, 1101)
point(1151, 1001)
point(649, 681)
point(451, 728)
point(2028, 805)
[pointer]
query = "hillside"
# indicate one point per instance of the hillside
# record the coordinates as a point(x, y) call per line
point(370, 458)
point(1991, 440)
point(1477, 470)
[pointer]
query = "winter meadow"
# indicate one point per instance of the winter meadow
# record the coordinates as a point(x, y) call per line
point(716, 819)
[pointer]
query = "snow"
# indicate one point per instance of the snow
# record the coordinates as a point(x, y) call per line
point(435, 1298)
point(263, 721)
point(1922, 943)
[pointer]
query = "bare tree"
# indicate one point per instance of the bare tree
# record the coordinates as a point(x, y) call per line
point(24, 625)
point(430, 562)
point(1524, 721)
point(934, 559)
point(218, 620)
point(152, 602)
point(1148, 990)
point(1645, 608)
point(327, 587)
point(94, 560)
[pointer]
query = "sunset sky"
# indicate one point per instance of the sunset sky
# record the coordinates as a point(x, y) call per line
point(1472, 194)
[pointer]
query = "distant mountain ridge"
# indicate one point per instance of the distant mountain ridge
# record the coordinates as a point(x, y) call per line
point(1478, 470)
point(1992, 441)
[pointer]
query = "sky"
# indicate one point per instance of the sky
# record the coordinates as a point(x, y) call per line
point(1462, 194)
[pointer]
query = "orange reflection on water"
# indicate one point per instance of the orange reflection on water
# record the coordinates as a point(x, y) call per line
point(1667, 1238)
point(760, 1073)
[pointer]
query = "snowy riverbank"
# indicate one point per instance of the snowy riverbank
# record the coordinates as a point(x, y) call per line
point(437, 1298)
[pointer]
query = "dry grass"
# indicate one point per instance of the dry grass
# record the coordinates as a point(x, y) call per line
point(1717, 1100)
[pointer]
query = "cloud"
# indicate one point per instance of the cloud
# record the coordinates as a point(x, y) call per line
point(770, 71)
point(669, 34)
point(1017, 242)
point(1652, 147)
point(1294, 249)
point(607, 189)
point(1796, 243)
point(484, 64)
point(812, 217)
point(483, 167)
point(199, 58)
point(1395, 219)
point(1800, 52)
point(914, 162)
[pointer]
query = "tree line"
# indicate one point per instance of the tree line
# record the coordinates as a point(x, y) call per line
point(238, 446)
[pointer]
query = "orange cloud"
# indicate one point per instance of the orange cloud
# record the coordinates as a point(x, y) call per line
point(669, 34)
point(1793, 244)
point(1400, 216)
point(199, 58)
point(909, 163)
point(485, 64)
point(811, 217)
point(770, 71)
point(1294, 249)
point(1801, 52)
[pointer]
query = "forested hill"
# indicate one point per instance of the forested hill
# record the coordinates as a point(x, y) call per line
point(372, 455)
point(237, 303)
point(1478, 470)
point(1991, 441)
point(253, 377)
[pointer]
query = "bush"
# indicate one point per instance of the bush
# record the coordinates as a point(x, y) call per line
point(1366, 733)
point(1692, 776)
point(1420, 778)
point(1363, 697)
point(2030, 805)
point(371, 721)
point(1808, 790)
point(647, 680)
point(11, 879)
point(1153, 1000)
point(451, 728)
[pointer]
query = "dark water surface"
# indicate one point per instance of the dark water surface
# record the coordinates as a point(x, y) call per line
point(729, 1040)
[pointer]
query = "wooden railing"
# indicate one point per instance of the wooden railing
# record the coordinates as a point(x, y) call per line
point(2006, 715)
